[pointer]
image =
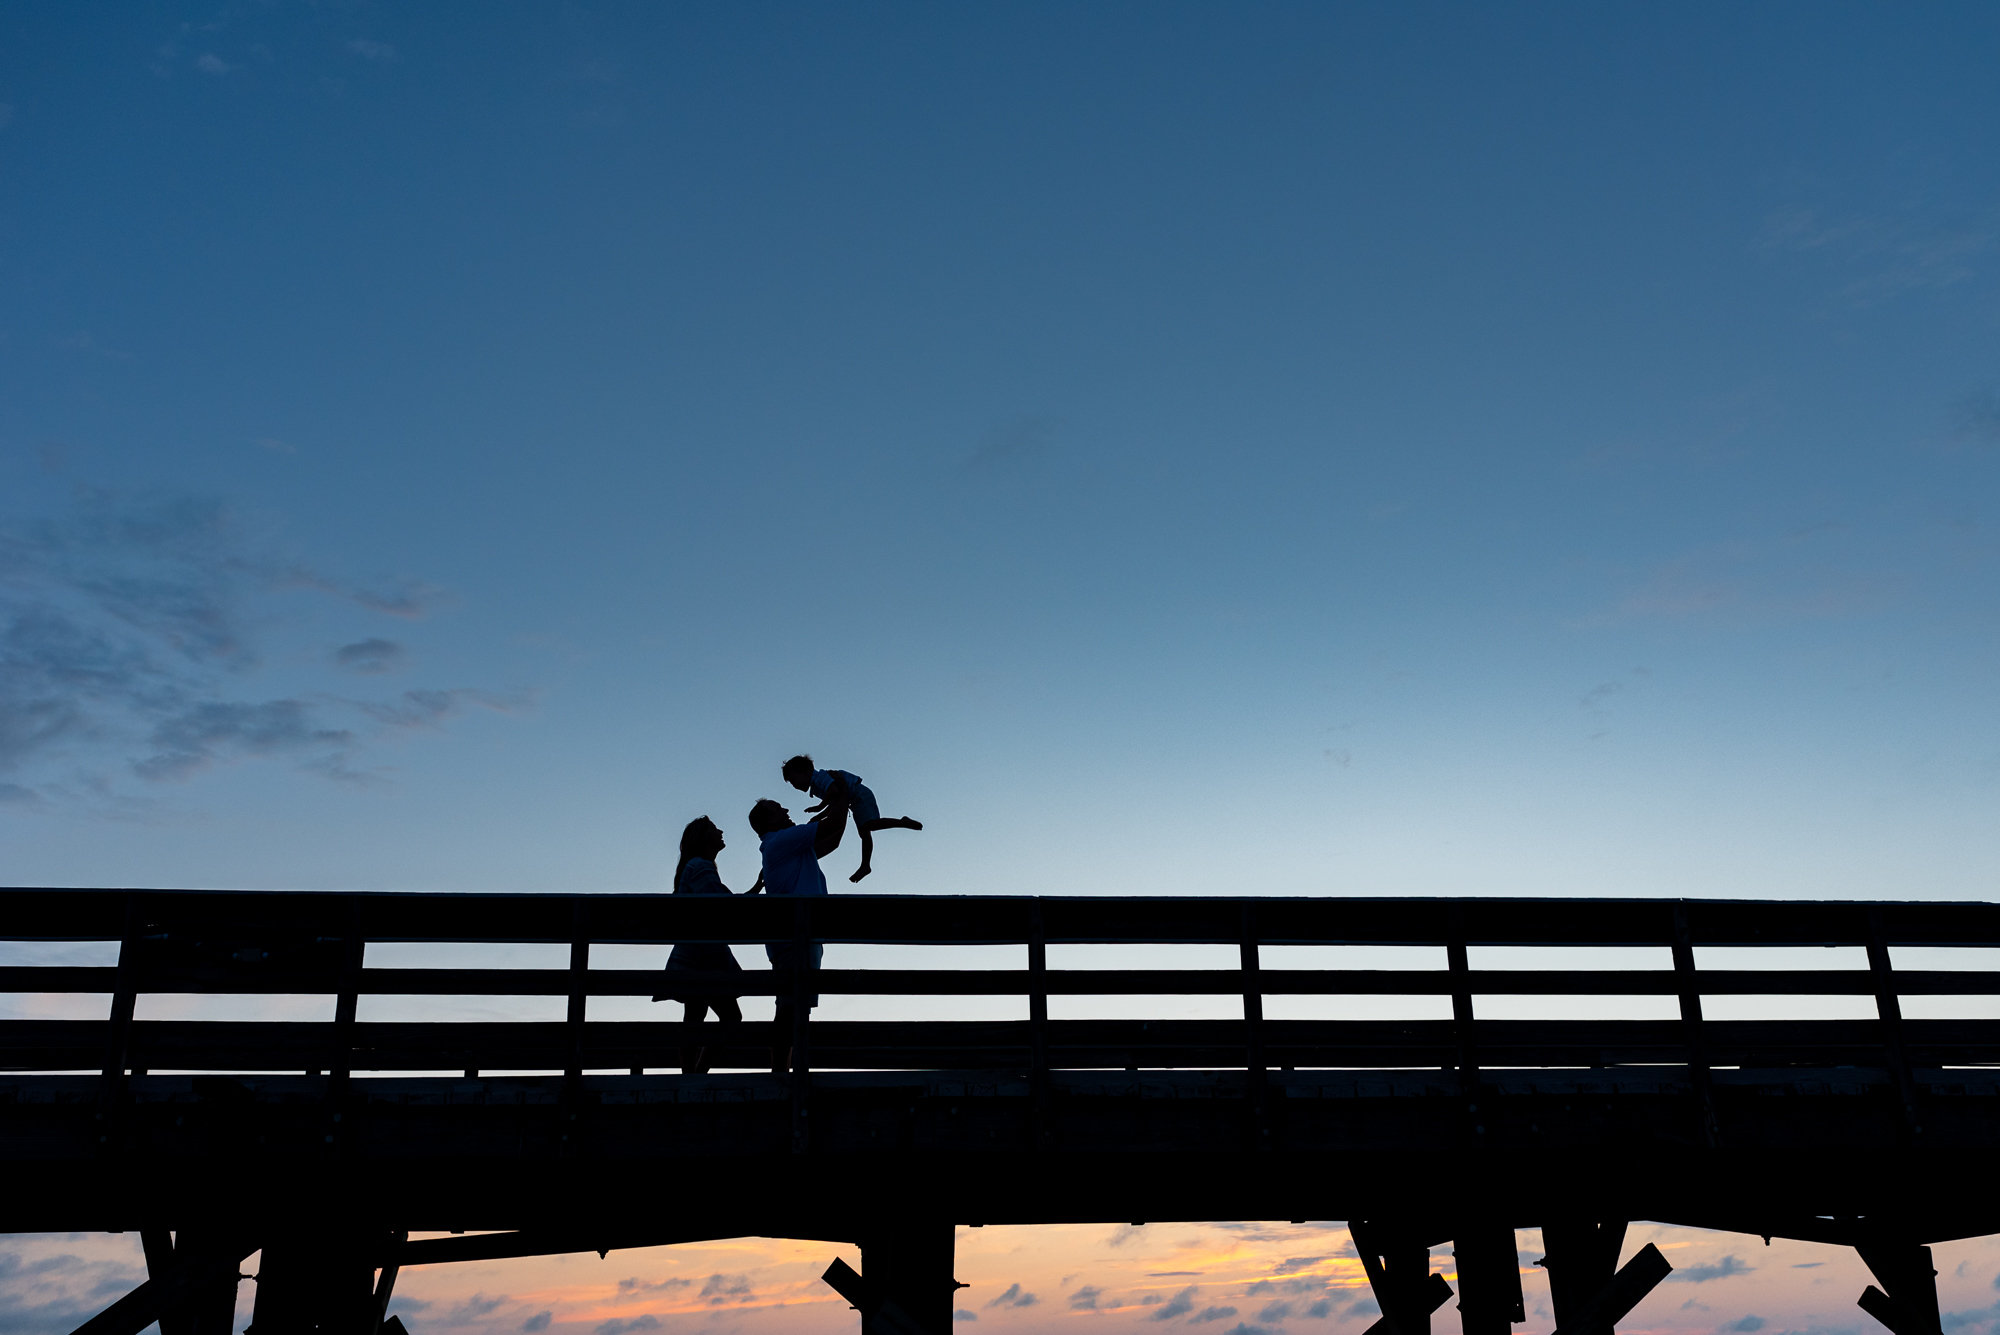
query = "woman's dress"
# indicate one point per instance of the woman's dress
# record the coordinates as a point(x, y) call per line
point(699, 877)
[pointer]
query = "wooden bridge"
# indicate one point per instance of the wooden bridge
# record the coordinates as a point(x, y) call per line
point(324, 1144)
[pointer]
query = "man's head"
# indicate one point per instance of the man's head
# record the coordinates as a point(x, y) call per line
point(798, 772)
point(767, 816)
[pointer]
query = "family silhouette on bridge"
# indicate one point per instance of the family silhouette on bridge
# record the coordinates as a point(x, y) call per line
point(791, 854)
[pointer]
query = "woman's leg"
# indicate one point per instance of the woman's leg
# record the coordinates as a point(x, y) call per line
point(691, 1056)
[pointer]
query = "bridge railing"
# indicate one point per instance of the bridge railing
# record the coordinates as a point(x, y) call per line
point(279, 943)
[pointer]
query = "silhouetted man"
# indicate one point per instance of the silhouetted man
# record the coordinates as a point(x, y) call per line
point(791, 867)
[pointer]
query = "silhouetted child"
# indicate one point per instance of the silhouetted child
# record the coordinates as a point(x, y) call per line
point(868, 818)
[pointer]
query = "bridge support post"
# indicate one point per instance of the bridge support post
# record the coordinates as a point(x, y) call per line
point(1581, 1256)
point(211, 1308)
point(911, 1266)
point(199, 1271)
point(1489, 1280)
point(317, 1282)
point(908, 1287)
point(1591, 1292)
point(1910, 1307)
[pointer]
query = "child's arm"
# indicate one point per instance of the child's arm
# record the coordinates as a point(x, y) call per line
point(833, 824)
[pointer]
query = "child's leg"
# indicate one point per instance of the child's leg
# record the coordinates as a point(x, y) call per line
point(867, 852)
point(890, 823)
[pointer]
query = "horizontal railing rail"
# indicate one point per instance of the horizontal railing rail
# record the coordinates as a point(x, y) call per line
point(556, 982)
point(250, 944)
point(299, 919)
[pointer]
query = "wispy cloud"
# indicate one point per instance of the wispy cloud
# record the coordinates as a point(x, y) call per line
point(134, 631)
point(623, 1325)
point(635, 1285)
point(475, 1308)
point(370, 657)
point(49, 1290)
point(197, 737)
point(1727, 1267)
point(380, 53)
point(1013, 1296)
point(1887, 255)
point(718, 1290)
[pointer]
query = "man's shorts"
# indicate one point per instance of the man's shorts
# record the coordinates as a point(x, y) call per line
point(782, 954)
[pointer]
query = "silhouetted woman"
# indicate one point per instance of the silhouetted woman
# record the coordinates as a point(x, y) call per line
point(696, 875)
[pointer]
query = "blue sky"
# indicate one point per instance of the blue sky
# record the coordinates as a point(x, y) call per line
point(1190, 449)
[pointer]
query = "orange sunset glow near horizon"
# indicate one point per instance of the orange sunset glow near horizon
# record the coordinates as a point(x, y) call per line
point(1216, 1278)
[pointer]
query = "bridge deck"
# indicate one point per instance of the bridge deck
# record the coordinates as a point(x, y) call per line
point(260, 1128)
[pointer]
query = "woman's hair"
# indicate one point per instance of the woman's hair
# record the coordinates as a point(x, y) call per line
point(802, 766)
point(696, 842)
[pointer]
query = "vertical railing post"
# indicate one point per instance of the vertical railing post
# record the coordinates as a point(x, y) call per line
point(579, 987)
point(1038, 1022)
point(573, 1028)
point(1256, 1084)
point(1458, 961)
point(346, 1004)
point(118, 1034)
point(1692, 1035)
point(801, 1061)
point(1889, 1010)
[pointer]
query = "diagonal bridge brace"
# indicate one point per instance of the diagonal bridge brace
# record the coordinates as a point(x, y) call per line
point(1910, 1305)
point(1397, 1260)
point(164, 1296)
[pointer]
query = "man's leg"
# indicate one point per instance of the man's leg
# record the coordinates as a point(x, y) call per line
point(781, 1048)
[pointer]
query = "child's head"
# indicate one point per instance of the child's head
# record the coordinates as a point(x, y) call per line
point(798, 772)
